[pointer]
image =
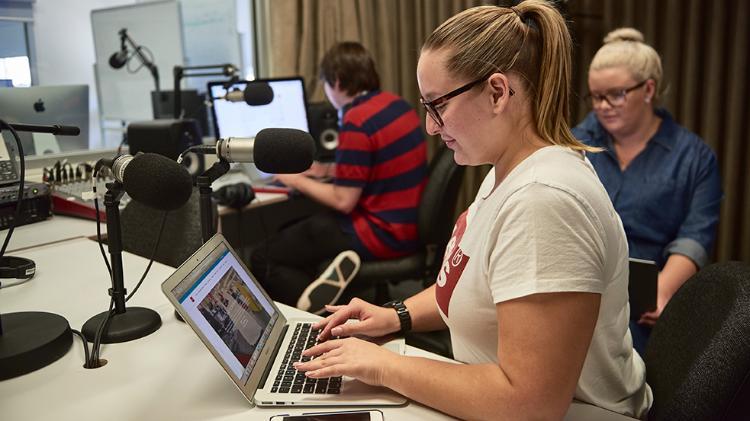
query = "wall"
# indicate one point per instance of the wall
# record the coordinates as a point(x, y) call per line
point(65, 47)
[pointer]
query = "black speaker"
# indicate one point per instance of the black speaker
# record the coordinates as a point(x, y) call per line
point(168, 137)
point(193, 105)
point(324, 128)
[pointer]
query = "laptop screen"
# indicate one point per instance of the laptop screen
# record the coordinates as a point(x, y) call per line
point(229, 309)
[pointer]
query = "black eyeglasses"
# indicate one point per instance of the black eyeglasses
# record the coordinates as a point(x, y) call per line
point(431, 106)
point(615, 98)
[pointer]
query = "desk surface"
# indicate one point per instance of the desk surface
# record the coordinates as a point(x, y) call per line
point(55, 229)
point(167, 375)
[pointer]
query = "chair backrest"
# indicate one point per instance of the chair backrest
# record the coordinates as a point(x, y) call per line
point(698, 355)
point(180, 238)
point(438, 204)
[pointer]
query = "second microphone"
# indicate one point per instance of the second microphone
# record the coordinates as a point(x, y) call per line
point(276, 151)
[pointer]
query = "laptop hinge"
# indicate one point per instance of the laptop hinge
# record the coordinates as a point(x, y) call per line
point(273, 358)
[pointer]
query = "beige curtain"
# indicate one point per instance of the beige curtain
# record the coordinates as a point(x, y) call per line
point(393, 31)
point(704, 48)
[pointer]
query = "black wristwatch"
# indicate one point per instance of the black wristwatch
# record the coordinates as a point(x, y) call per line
point(403, 314)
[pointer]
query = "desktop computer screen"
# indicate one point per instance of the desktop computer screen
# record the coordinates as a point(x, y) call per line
point(235, 118)
point(48, 105)
point(286, 110)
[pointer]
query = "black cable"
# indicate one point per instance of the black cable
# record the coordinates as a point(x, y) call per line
point(87, 359)
point(21, 182)
point(99, 221)
point(202, 149)
point(103, 325)
point(153, 256)
point(99, 332)
point(128, 60)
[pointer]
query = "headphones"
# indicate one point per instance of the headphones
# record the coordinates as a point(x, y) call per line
point(234, 195)
point(17, 267)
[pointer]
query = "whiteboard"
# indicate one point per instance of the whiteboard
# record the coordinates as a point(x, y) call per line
point(154, 25)
point(210, 31)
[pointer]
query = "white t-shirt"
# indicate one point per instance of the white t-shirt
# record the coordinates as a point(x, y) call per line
point(548, 227)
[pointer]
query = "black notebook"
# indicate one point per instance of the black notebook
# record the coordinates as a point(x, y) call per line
point(642, 286)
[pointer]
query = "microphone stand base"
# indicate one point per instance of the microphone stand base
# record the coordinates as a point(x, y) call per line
point(134, 323)
point(32, 340)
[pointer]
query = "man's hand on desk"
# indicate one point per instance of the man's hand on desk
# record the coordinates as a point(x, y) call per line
point(340, 198)
point(289, 180)
point(321, 170)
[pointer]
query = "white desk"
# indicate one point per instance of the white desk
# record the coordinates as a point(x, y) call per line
point(55, 229)
point(168, 375)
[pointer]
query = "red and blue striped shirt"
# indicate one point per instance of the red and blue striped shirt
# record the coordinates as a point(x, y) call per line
point(382, 151)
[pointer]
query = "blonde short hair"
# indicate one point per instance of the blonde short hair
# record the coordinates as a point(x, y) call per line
point(625, 47)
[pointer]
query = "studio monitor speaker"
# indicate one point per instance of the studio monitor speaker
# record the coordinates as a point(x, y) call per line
point(324, 128)
point(168, 137)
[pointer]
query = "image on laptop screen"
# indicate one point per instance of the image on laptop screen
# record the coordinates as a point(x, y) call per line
point(229, 309)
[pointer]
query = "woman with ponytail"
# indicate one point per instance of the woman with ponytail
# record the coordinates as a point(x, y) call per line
point(663, 180)
point(533, 286)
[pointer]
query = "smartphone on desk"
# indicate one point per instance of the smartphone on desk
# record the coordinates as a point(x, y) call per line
point(363, 415)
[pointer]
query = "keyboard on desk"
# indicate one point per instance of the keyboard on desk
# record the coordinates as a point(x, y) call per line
point(289, 380)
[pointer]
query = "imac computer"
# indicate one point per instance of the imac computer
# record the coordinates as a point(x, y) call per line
point(48, 105)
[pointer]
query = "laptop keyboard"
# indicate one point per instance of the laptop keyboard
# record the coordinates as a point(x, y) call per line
point(289, 380)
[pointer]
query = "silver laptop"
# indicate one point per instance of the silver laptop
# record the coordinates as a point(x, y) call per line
point(242, 327)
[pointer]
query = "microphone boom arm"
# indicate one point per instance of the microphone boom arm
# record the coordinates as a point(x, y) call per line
point(179, 72)
point(125, 38)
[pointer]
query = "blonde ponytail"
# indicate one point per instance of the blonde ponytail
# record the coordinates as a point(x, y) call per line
point(531, 40)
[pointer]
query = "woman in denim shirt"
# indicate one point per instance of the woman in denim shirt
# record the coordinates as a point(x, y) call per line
point(662, 179)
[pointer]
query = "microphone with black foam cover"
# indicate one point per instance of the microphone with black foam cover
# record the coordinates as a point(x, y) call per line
point(275, 151)
point(153, 180)
point(255, 93)
point(258, 93)
point(118, 59)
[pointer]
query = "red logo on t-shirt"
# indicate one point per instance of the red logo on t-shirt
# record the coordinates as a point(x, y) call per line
point(453, 266)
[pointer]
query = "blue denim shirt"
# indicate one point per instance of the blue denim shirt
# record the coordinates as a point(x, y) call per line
point(668, 197)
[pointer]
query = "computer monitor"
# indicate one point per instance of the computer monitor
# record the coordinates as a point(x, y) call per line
point(238, 119)
point(48, 105)
point(287, 110)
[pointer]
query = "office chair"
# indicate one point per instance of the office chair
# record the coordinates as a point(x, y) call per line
point(698, 355)
point(434, 225)
point(180, 238)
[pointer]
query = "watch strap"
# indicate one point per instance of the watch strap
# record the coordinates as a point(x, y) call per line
point(403, 314)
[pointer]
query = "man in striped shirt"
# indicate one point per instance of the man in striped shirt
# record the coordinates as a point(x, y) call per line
point(379, 175)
